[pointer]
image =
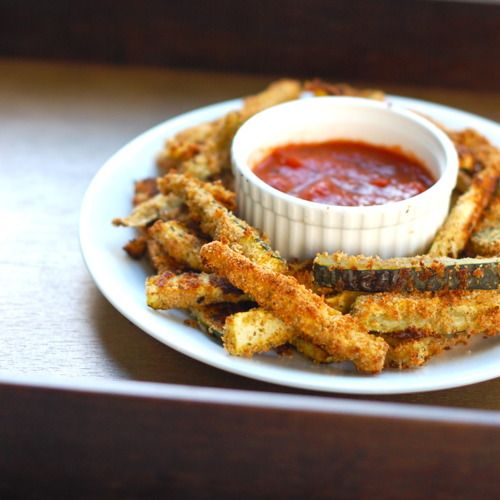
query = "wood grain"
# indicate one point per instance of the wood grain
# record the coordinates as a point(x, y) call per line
point(59, 123)
point(423, 42)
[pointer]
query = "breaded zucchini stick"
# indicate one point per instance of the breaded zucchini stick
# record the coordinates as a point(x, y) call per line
point(474, 150)
point(203, 151)
point(340, 335)
point(254, 331)
point(161, 261)
point(430, 313)
point(182, 291)
point(220, 223)
point(258, 330)
point(144, 190)
point(457, 228)
point(137, 247)
point(486, 238)
point(178, 242)
point(406, 274)
point(167, 206)
point(159, 207)
point(211, 318)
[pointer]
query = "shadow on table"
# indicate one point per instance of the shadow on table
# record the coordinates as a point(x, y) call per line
point(138, 356)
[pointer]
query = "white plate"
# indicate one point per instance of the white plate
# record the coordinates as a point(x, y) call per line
point(121, 279)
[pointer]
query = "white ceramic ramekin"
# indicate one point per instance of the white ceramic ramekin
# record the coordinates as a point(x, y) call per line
point(300, 228)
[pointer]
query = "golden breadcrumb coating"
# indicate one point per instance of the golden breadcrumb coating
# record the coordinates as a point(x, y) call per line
point(431, 313)
point(202, 151)
point(467, 211)
point(340, 335)
point(181, 291)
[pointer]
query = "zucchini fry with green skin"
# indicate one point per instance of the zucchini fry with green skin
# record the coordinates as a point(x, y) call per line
point(430, 313)
point(167, 206)
point(158, 207)
point(221, 224)
point(340, 335)
point(453, 236)
point(211, 318)
point(407, 274)
point(186, 290)
point(178, 242)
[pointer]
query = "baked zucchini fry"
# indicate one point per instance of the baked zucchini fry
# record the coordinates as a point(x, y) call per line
point(277, 92)
point(182, 291)
point(257, 330)
point(340, 335)
point(179, 242)
point(342, 301)
point(158, 207)
point(430, 314)
point(463, 217)
point(474, 149)
point(312, 351)
point(136, 248)
point(320, 88)
point(220, 223)
point(160, 260)
point(168, 206)
point(486, 238)
point(413, 353)
point(402, 354)
point(405, 274)
point(144, 190)
point(203, 151)
point(464, 181)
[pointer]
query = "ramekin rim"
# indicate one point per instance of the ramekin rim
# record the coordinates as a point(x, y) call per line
point(443, 183)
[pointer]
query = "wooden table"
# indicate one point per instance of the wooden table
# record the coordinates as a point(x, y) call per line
point(59, 123)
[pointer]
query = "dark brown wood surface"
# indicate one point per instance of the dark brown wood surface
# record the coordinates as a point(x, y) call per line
point(67, 444)
point(58, 124)
point(406, 41)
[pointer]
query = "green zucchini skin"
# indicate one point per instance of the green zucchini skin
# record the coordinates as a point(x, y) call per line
point(407, 275)
point(211, 318)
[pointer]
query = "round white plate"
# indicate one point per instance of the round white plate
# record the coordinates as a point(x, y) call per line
point(121, 279)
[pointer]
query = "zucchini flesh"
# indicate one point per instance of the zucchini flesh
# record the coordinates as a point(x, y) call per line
point(372, 274)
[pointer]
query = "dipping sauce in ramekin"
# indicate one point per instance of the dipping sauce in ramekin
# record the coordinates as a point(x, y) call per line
point(300, 228)
point(344, 173)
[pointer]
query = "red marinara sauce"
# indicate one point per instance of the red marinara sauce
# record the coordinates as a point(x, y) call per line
point(343, 172)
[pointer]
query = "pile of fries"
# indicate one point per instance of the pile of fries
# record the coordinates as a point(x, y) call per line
point(225, 273)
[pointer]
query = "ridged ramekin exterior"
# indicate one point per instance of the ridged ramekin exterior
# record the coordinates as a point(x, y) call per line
point(300, 229)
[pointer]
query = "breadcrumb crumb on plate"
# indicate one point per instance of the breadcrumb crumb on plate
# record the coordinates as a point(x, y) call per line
point(122, 281)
